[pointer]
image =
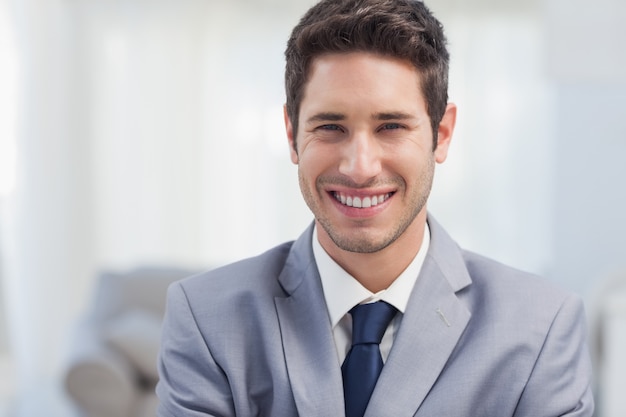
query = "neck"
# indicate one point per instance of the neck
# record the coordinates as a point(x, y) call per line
point(378, 270)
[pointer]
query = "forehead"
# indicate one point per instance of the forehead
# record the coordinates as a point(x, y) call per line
point(363, 60)
point(359, 78)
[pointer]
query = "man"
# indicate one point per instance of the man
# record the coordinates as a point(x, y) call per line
point(282, 334)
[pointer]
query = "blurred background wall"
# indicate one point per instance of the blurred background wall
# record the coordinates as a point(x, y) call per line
point(144, 132)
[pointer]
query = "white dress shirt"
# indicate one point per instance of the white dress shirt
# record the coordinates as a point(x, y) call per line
point(342, 292)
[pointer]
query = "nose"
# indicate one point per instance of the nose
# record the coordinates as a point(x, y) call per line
point(361, 158)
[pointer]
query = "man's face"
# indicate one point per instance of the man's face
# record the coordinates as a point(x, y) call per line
point(364, 150)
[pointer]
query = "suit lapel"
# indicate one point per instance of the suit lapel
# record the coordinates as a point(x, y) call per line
point(310, 353)
point(431, 327)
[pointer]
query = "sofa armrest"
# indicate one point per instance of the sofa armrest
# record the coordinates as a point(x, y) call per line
point(100, 381)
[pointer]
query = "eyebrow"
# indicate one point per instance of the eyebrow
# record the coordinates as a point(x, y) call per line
point(392, 116)
point(335, 117)
point(326, 117)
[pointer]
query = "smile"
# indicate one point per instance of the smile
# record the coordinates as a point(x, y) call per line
point(360, 202)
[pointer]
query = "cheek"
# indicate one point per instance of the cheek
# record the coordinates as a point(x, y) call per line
point(313, 155)
point(308, 166)
point(416, 170)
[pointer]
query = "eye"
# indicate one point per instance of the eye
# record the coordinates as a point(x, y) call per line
point(329, 127)
point(329, 132)
point(391, 126)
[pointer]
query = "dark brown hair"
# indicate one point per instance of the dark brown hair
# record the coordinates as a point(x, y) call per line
point(404, 29)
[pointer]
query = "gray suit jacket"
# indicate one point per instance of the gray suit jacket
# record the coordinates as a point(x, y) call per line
point(478, 339)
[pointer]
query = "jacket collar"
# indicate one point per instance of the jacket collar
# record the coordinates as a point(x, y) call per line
point(310, 353)
point(431, 327)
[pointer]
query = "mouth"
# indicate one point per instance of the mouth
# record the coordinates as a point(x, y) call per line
point(360, 201)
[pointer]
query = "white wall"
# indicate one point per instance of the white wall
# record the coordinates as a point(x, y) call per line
point(587, 64)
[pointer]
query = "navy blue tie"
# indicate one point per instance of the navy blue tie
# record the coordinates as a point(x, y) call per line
point(363, 363)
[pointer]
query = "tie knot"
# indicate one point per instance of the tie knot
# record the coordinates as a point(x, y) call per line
point(369, 321)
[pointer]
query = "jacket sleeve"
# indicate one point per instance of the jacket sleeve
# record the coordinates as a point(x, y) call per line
point(560, 383)
point(191, 383)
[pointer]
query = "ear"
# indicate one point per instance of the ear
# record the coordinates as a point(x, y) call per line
point(290, 136)
point(446, 128)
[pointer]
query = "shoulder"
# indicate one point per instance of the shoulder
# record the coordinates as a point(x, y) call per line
point(477, 277)
point(500, 292)
point(488, 273)
point(251, 277)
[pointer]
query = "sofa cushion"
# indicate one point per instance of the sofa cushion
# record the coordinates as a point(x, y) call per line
point(101, 386)
point(137, 335)
point(140, 289)
point(147, 404)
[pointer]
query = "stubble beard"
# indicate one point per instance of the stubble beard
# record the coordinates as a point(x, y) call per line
point(361, 241)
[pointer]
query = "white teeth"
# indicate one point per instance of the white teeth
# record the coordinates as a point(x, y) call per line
point(358, 202)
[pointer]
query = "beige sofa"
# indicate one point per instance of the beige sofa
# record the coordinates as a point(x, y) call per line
point(111, 368)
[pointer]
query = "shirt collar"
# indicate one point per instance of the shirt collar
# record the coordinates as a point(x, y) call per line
point(342, 291)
